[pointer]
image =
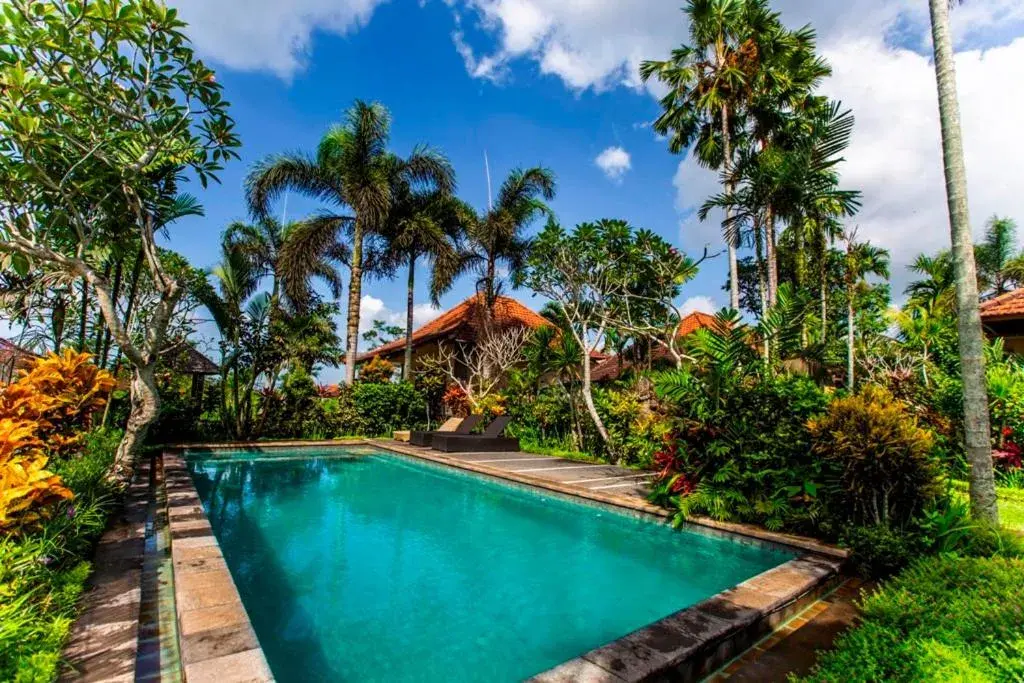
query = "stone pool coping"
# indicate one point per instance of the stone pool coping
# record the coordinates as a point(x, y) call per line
point(218, 642)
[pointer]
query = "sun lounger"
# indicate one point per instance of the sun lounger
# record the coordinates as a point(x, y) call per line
point(454, 425)
point(491, 441)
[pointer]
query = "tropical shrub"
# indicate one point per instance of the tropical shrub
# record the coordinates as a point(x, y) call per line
point(383, 408)
point(60, 393)
point(377, 371)
point(743, 447)
point(877, 459)
point(456, 401)
point(42, 574)
point(491, 406)
point(27, 489)
point(636, 429)
point(945, 618)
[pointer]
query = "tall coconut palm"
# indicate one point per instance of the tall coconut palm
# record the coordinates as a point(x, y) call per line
point(354, 173)
point(497, 238)
point(862, 259)
point(972, 341)
point(708, 84)
point(431, 226)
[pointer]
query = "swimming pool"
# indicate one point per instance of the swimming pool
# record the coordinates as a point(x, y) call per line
point(355, 564)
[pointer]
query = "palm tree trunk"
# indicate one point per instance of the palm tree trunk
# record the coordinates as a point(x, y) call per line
point(762, 279)
point(407, 367)
point(823, 287)
point(773, 256)
point(849, 336)
point(972, 359)
point(355, 291)
point(84, 314)
point(118, 272)
point(489, 294)
point(100, 328)
point(734, 280)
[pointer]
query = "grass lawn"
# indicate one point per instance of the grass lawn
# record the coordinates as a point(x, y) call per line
point(1011, 508)
point(1011, 505)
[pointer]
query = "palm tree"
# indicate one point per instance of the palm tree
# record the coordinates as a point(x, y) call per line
point(972, 342)
point(782, 90)
point(862, 259)
point(235, 310)
point(497, 238)
point(708, 82)
point(265, 244)
point(795, 179)
point(936, 289)
point(996, 254)
point(354, 173)
point(922, 325)
point(428, 225)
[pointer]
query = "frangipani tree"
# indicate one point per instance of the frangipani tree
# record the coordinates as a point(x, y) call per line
point(102, 103)
point(606, 276)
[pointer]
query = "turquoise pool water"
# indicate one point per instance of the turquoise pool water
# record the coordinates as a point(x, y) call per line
point(366, 566)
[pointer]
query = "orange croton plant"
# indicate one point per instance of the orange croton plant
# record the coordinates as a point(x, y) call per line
point(27, 489)
point(46, 411)
point(60, 393)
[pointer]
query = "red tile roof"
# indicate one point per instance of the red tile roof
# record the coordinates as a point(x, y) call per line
point(1009, 305)
point(613, 368)
point(464, 321)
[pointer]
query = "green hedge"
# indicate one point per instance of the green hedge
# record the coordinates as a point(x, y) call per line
point(945, 618)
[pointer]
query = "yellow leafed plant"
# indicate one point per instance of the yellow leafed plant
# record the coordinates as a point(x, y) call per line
point(60, 394)
point(27, 489)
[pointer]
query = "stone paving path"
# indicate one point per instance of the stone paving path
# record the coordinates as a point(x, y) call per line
point(792, 650)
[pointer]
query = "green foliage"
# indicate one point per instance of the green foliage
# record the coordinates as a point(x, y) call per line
point(377, 371)
point(383, 408)
point(42, 575)
point(636, 431)
point(877, 459)
point(744, 446)
point(945, 618)
point(880, 550)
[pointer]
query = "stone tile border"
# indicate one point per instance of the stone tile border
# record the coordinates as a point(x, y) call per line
point(218, 643)
point(687, 645)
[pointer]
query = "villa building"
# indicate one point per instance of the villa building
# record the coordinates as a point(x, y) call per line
point(1003, 317)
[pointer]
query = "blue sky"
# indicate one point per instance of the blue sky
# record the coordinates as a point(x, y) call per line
point(553, 83)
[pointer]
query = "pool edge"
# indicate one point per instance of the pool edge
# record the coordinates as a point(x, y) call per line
point(687, 645)
point(217, 640)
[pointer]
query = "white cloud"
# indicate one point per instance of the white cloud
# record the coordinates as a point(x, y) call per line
point(896, 156)
point(614, 162)
point(702, 304)
point(600, 43)
point(371, 308)
point(593, 44)
point(268, 35)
